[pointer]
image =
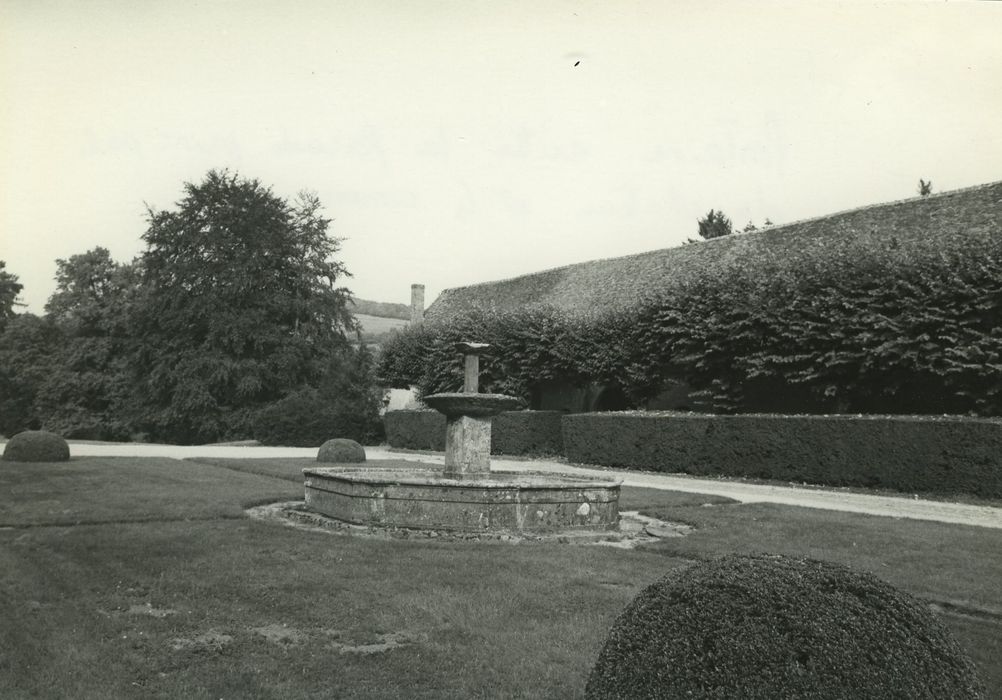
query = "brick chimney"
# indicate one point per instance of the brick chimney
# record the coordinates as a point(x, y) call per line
point(417, 303)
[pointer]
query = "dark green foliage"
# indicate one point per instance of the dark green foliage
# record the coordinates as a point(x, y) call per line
point(415, 430)
point(29, 346)
point(911, 454)
point(345, 405)
point(534, 433)
point(9, 289)
point(777, 627)
point(91, 291)
point(526, 348)
point(924, 187)
point(240, 305)
point(714, 225)
point(89, 391)
point(310, 416)
point(233, 306)
point(341, 451)
point(36, 446)
point(862, 320)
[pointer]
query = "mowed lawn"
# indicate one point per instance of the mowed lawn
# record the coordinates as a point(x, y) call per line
point(142, 578)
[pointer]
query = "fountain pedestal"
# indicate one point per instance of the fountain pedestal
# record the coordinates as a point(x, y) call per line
point(468, 417)
point(467, 447)
point(468, 420)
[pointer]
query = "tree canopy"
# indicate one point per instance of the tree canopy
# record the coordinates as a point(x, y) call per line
point(28, 346)
point(232, 323)
point(87, 392)
point(91, 291)
point(240, 305)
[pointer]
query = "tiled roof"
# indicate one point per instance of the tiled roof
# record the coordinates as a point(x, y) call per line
point(606, 286)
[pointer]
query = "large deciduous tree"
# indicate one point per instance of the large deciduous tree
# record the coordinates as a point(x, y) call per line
point(241, 304)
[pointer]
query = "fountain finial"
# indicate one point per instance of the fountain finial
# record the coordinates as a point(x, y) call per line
point(471, 371)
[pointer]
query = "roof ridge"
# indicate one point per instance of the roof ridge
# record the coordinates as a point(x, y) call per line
point(775, 227)
point(876, 205)
point(555, 269)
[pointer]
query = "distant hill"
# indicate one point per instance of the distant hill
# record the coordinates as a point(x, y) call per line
point(377, 328)
point(381, 309)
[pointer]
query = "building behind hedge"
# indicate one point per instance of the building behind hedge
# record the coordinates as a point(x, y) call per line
point(894, 307)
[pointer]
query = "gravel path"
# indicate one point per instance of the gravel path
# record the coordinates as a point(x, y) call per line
point(895, 507)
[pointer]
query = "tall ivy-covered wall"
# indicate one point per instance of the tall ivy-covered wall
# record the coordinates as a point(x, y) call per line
point(860, 321)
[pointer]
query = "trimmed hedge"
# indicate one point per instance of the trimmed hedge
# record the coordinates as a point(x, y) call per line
point(777, 627)
point(904, 453)
point(527, 433)
point(512, 433)
point(415, 429)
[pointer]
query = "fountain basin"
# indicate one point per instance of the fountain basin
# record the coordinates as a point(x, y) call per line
point(498, 502)
point(454, 405)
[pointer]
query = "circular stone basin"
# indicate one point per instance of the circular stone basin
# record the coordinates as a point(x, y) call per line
point(454, 405)
point(505, 502)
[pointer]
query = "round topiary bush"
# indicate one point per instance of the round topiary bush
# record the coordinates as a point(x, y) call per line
point(776, 627)
point(341, 451)
point(36, 446)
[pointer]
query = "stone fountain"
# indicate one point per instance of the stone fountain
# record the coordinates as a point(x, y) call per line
point(466, 496)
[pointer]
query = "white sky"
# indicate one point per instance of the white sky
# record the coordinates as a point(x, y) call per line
point(457, 142)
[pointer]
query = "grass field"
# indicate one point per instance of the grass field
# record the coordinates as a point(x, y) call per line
point(140, 578)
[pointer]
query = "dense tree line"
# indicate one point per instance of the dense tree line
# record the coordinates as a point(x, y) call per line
point(236, 305)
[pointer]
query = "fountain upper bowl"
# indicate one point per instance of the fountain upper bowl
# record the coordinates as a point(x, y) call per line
point(458, 404)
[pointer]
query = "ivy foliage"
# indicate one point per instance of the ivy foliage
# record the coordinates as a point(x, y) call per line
point(863, 321)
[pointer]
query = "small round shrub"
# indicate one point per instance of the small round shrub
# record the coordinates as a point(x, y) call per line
point(776, 627)
point(36, 446)
point(341, 451)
